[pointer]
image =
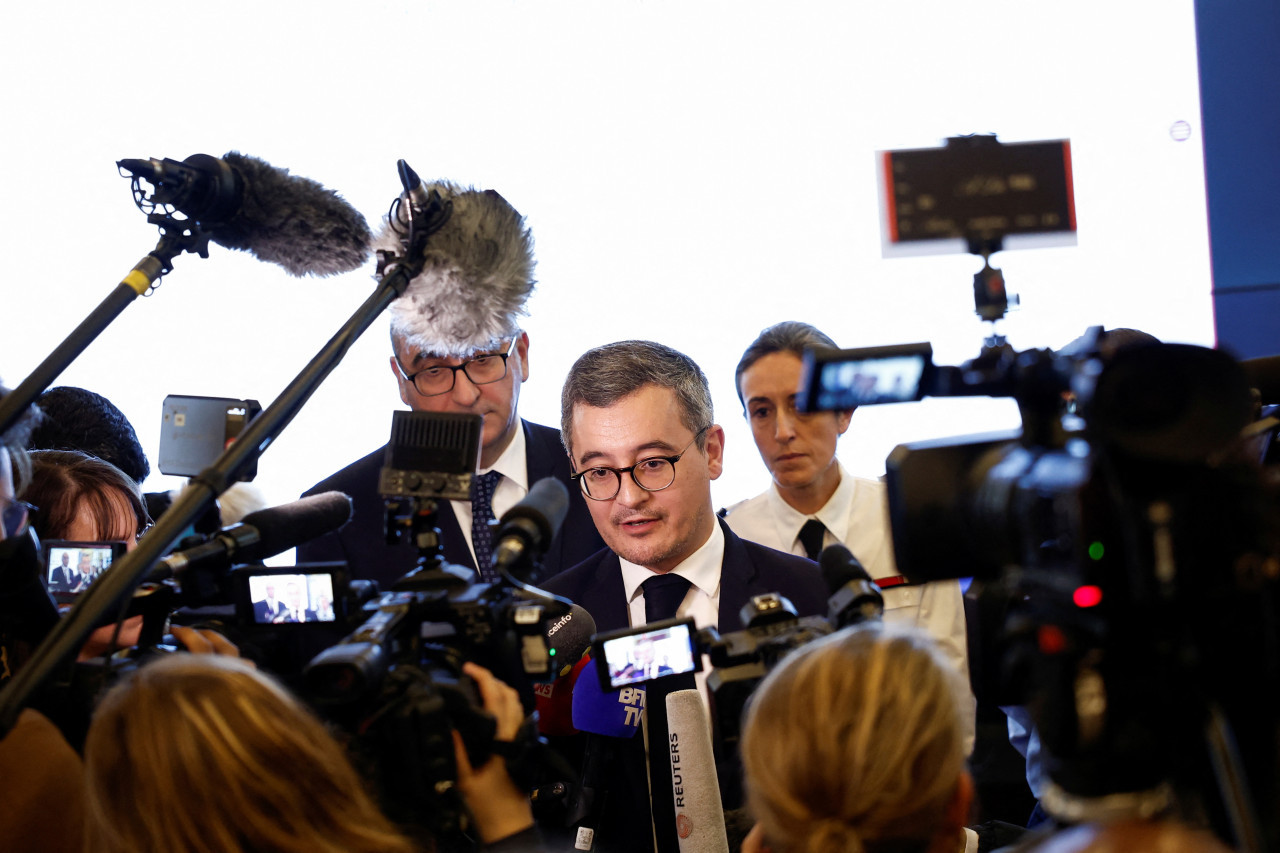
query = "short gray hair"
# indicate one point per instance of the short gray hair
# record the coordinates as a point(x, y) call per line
point(607, 374)
point(788, 336)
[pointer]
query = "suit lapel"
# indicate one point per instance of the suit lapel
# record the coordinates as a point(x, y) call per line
point(455, 544)
point(737, 576)
point(605, 598)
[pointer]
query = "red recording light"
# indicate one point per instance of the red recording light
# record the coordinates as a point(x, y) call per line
point(1087, 596)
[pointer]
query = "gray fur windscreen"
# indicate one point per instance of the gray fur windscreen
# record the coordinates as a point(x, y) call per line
point(293, 222)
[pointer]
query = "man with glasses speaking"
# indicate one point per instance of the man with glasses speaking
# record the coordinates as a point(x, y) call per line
point(637, 421)
point(457, 347)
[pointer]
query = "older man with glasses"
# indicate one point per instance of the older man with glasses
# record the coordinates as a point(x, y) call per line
point(457, 347)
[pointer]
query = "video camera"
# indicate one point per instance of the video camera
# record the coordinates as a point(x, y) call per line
point(396, 681)
point(1126, 536)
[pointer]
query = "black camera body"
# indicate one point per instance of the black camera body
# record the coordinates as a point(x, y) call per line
point(1121, 533)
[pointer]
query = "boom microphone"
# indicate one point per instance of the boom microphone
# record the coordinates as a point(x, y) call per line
point(244, 203)
point(526, 530)
point(854, 596)
point(262, 534)
point(694, 784)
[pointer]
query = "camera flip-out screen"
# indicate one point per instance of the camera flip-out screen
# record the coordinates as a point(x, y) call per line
point(834, 380)
point(637, 655)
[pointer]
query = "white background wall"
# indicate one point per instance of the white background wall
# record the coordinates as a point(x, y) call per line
point(692, 172)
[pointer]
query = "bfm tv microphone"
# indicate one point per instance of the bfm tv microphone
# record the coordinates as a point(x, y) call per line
point(609, 719)
point(694, 784)
point(262, 534)
point(244, 203)
point(854, 596)
point(526, 530)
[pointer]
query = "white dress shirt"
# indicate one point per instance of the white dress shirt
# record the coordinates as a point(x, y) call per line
point(857, 516)
point(511, 489)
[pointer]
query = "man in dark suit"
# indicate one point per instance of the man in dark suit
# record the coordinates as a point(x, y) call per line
point(60, 579)
point(637, 419)
point(457, 347)
point(638, 423)
point(269, 609)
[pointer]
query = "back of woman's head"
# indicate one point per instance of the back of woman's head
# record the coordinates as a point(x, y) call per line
point(203, 753)
point(68, 486)
point(854, 743)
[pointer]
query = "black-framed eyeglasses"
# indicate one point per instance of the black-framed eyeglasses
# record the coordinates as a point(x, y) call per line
point(14, 516)
point(653, 474)
point(440, 378)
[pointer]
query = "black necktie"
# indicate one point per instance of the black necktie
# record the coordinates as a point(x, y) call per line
point(482, 486)
point(811, 537)
point(662, 596)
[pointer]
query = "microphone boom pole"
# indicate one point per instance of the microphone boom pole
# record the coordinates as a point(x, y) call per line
point(198, 496)
point(133, 285)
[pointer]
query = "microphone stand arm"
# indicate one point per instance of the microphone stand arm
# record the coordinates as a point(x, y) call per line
point(198, 496)
point(140, 279)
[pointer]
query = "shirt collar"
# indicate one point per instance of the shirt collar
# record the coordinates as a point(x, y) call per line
point(512, 463)
point(701, 568)
point(834, 514)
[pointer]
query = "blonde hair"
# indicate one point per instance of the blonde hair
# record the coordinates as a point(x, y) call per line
point(202, 753)
point(854, 743)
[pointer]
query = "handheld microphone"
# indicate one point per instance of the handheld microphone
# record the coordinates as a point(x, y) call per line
point(244, 203)
point(554, 701)
point(262, 534)
point(526, 530)
point(695, 786)
point(568, 641)
point(610, 721)
point(854, 597)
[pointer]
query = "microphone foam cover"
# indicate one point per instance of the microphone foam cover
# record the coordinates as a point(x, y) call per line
point(546, 505)
point(570, 636)
point(290, 525)
point(839, 567)
point(613, 714)
point(554, 701)
point(694, 784)
point(293, 222)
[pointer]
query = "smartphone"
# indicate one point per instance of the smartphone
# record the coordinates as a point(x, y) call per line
point(638, 655)
point(71, 566)
point(194, 431)
point(290, 595)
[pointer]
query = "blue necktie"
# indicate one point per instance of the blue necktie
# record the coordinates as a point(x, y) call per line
point(482, 486)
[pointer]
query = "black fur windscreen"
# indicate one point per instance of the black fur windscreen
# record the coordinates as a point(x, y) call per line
point(293, 222)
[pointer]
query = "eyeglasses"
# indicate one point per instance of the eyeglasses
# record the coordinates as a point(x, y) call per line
point(13, 516)
point(440, 378)
point(653, 474)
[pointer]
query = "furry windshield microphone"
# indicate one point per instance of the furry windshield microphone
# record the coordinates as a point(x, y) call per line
point(245, 203)
point(477, 274)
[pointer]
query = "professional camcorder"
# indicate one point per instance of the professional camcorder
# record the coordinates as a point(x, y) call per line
point(396, 681)
point(1129, 538)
